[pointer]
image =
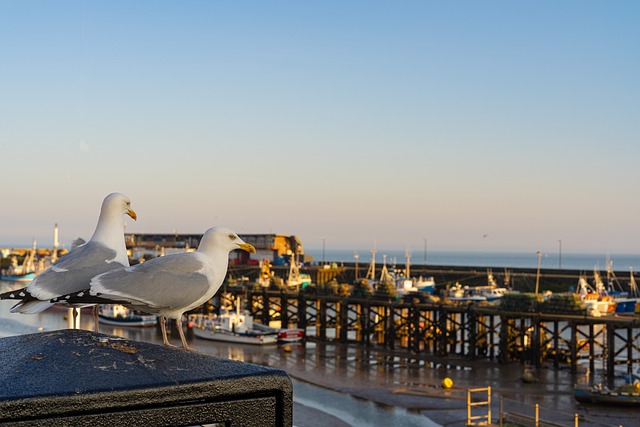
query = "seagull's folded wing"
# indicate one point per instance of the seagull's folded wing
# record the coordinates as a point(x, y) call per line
point(172, 282)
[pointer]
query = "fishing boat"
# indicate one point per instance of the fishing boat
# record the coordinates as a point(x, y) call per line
point(27, 277)
point(489, 293)
point(404, 283)
point(119, 315)
point(625, 301)
point(285, 335)
point(24, 272)
point(296, 280)
point(235, 327)
point(628, 394)
point(597, 300)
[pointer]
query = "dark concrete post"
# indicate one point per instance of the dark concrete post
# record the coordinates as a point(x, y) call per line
point(80, 378)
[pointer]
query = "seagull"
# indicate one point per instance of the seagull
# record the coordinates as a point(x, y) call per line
point(170, 285)
point(73, 272)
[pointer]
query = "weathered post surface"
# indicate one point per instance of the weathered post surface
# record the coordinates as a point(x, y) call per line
point(80, 378)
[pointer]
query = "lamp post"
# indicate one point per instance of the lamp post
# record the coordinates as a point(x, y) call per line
point(323, 251)
point(356, 256)
point(560, 254)
point(425, 251)
point(538, 273)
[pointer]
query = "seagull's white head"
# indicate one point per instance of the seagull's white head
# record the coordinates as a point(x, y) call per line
point(223, 239)
point(117, 204)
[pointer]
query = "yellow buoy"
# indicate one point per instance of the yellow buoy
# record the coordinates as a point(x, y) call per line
point(447, 383)
point(287, 348)
point(528, 377)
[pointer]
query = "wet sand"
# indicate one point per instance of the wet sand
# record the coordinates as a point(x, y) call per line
point(369, 374)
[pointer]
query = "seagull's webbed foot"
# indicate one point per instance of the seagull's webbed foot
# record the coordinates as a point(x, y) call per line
point(183, 339)
point(168, 344)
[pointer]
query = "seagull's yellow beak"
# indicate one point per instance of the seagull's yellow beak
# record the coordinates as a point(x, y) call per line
point(247, 247)
point(132, 214)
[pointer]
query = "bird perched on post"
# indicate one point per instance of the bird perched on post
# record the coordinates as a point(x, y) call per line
point(73, 272)
point(170, 285)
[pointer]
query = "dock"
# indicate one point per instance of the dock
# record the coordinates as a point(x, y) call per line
point(430, 333)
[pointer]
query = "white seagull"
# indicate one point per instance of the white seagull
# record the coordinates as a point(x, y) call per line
point(170, 285)
point(73, 272)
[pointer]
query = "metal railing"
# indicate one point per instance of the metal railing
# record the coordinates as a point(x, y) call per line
point(471, 404)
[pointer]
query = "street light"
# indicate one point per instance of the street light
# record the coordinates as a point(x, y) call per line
point(560, 254)
point(323, 251)
point(356, 256)
point(425, 251)
point(538, 273)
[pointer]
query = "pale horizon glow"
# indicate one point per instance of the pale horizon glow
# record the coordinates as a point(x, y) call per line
point(479, 126)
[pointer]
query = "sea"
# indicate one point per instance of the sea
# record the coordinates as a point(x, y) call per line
point(567, 261)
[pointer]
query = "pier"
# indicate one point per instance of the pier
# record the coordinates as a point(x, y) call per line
point(429, 333)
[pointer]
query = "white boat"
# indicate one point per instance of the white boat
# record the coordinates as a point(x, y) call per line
point(24, 272)
point(491, 292)
point(285, 335)
point(119, 315)
point(405, 284)
point(625, 301)
point(232, 327)
point(296, 280)
point(597, 301)
point(476, 293)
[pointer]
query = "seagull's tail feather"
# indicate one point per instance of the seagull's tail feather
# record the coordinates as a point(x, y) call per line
point(15, 294)
point(30, 307)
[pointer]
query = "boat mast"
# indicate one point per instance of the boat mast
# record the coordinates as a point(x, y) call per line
point(384, 273)
point(371, 274)
point(407, 254)
point(633, 286)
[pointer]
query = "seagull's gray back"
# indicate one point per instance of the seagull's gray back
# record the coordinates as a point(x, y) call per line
point(74, 271)
point(159, 285)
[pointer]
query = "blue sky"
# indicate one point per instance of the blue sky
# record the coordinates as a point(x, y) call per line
point(489, 126)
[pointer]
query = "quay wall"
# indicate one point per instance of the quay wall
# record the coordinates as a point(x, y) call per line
point(520, 279)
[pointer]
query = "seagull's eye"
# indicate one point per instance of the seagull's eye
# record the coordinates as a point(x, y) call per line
point(232, 237)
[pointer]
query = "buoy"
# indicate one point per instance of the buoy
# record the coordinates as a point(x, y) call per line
point(447, 383)
point(528, 377)
point(287, 348)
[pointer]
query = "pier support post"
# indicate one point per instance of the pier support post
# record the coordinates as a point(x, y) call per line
point(574, 347)
point(266, 308)
point(442, 341)
point(343, 320)
point(390, 327)
point(302, 311)
point(611, 353)
point(504, 356)
point(473, 335)
point(536, 348)
point(414, 329)
point(284, 310)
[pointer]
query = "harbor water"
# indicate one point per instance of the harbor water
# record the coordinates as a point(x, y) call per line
point(569, 261)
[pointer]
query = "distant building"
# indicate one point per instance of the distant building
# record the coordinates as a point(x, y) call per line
point(276, 248)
